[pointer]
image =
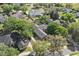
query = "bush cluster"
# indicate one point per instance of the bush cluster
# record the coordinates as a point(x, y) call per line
point(55, 29)
point(68, 17)
point(7, 51)
point(19, 25)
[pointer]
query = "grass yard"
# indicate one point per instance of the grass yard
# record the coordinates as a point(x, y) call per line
point(74, 54)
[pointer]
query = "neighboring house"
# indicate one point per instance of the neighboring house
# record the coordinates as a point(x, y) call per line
point(6, 39)
point(36, 12)
point(43, 27)
point(40, 33)
point(49, 20)
point(19, 42)
point(18, 14)
point(67, 10)
point(14, 40)
point(77, 14)
point(2, 18)
point(57, 21)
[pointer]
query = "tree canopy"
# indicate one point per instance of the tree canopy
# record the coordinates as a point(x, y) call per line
point(55, 29)
point(7, 51)
point(24, 27)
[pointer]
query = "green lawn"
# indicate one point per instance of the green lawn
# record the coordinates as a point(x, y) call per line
point(74, 54)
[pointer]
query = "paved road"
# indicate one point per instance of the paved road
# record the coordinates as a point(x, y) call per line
point(66, 51)
point(75, 45)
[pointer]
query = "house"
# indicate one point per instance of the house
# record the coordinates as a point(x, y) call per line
point(40, 33)
point(49, 20)
point(67, 10)
point(14, 40)
point(43, 27)
point(22, 44)
point(6, 39)
point(18, 14)
point(36, 12)
point(57, 21)
point(19, 42)
point(77, 14)
point(2, 18)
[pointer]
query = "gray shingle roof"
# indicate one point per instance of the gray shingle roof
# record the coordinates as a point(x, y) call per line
point(6, 39)
point(2, 18)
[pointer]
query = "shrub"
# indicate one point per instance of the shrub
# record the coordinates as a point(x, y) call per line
point(74, 31)
point(7, 51)
point(1, 10)
point(19, 25)
point(24, 8)
point(68, 17)
point(73, 26)
point(28, 49)
point(59, 5)
point(7, 8)
point(42, 20)
point(55, 29)
point(57, 43)
point(1, 28)
point(16, 7)
point(40, 47)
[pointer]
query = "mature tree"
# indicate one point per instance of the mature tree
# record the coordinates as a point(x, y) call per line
point(21, 26)
point(7, 8)
point(7, 51)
